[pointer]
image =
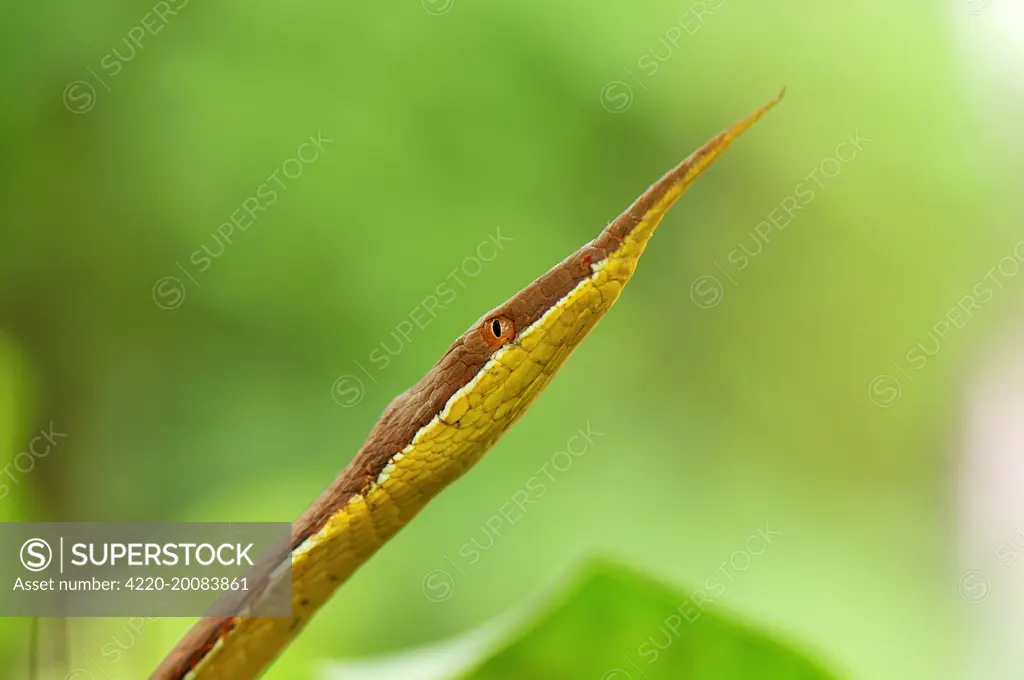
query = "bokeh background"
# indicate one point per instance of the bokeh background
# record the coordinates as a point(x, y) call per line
point(788, 393)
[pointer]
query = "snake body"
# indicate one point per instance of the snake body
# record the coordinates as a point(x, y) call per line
point(435, 431)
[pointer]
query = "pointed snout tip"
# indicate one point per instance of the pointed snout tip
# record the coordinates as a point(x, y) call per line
point(747, 122)
point(638, 222)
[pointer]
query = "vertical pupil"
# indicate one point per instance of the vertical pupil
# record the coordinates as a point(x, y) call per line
point(496, 328)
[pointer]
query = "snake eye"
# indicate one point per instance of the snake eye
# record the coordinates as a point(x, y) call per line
point(498, 331)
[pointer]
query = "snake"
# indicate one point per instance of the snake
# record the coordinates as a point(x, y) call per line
point(435, 431)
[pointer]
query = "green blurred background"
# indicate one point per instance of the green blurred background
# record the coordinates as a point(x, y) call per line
point(724, 405)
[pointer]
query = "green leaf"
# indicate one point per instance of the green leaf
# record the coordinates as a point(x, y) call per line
point(610, 624)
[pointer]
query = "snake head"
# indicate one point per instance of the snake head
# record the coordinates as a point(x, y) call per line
point(493, 372)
